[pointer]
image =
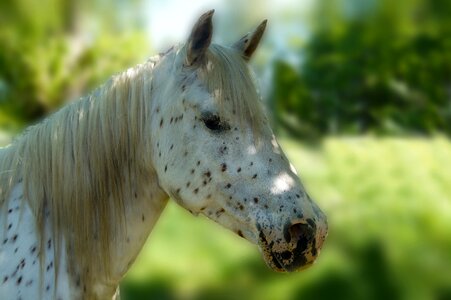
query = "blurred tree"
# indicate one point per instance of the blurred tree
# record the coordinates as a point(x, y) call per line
point(53, 51)
point(379, 66)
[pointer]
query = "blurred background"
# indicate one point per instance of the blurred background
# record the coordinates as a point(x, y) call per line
point(359, 94)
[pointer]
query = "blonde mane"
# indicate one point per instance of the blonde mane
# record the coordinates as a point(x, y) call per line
point(80, 164)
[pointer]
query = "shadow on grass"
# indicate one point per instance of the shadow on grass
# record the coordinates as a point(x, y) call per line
point(239, 282)
point(371, 279)
point(160, 289)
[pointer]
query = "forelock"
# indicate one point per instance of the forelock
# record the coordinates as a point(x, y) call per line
point(229, 79)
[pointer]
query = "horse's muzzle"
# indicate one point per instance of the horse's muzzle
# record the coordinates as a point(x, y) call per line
point(297, 249)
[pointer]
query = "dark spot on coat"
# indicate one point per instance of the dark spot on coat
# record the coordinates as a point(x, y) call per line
point(223, 149)
point(311, 223)
point(220, 212)
point(286, 255)
point(256, 200)
point(223, 167)
point(22, 263)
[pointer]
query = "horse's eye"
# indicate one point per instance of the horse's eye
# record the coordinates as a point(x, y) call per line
point(214, 123)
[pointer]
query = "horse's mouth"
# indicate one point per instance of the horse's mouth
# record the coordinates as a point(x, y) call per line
point(276, 263)
point(272, 261)
point(285, 261)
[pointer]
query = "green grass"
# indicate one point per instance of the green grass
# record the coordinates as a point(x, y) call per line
point(389, 208)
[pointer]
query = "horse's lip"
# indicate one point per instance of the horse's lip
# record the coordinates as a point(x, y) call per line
point(277, 263)
point(269, 256)
point(273, 259)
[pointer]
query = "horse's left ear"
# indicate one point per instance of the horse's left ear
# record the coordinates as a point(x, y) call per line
point(200, 38)
point(248, 43)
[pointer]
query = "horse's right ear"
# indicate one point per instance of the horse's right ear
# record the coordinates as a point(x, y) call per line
point(200, 38)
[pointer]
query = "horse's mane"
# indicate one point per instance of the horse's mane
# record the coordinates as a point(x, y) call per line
point(80, 163)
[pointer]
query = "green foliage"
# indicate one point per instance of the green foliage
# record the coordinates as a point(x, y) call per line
point(381, 66)
point(389, 213)
point(47, 58)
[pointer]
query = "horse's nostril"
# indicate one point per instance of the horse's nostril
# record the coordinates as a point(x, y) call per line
point(298, 231)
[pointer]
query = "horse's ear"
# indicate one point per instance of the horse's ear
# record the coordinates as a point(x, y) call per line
point(248, 43)
point(200, 38)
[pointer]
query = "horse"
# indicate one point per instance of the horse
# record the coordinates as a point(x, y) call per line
point(81, 190)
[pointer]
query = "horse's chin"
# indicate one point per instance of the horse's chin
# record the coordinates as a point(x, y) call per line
point(271, 261)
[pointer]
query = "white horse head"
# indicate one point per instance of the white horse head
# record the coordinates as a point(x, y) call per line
point(215, 153)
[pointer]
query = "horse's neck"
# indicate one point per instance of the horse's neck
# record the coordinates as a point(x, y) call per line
point(142, 211)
